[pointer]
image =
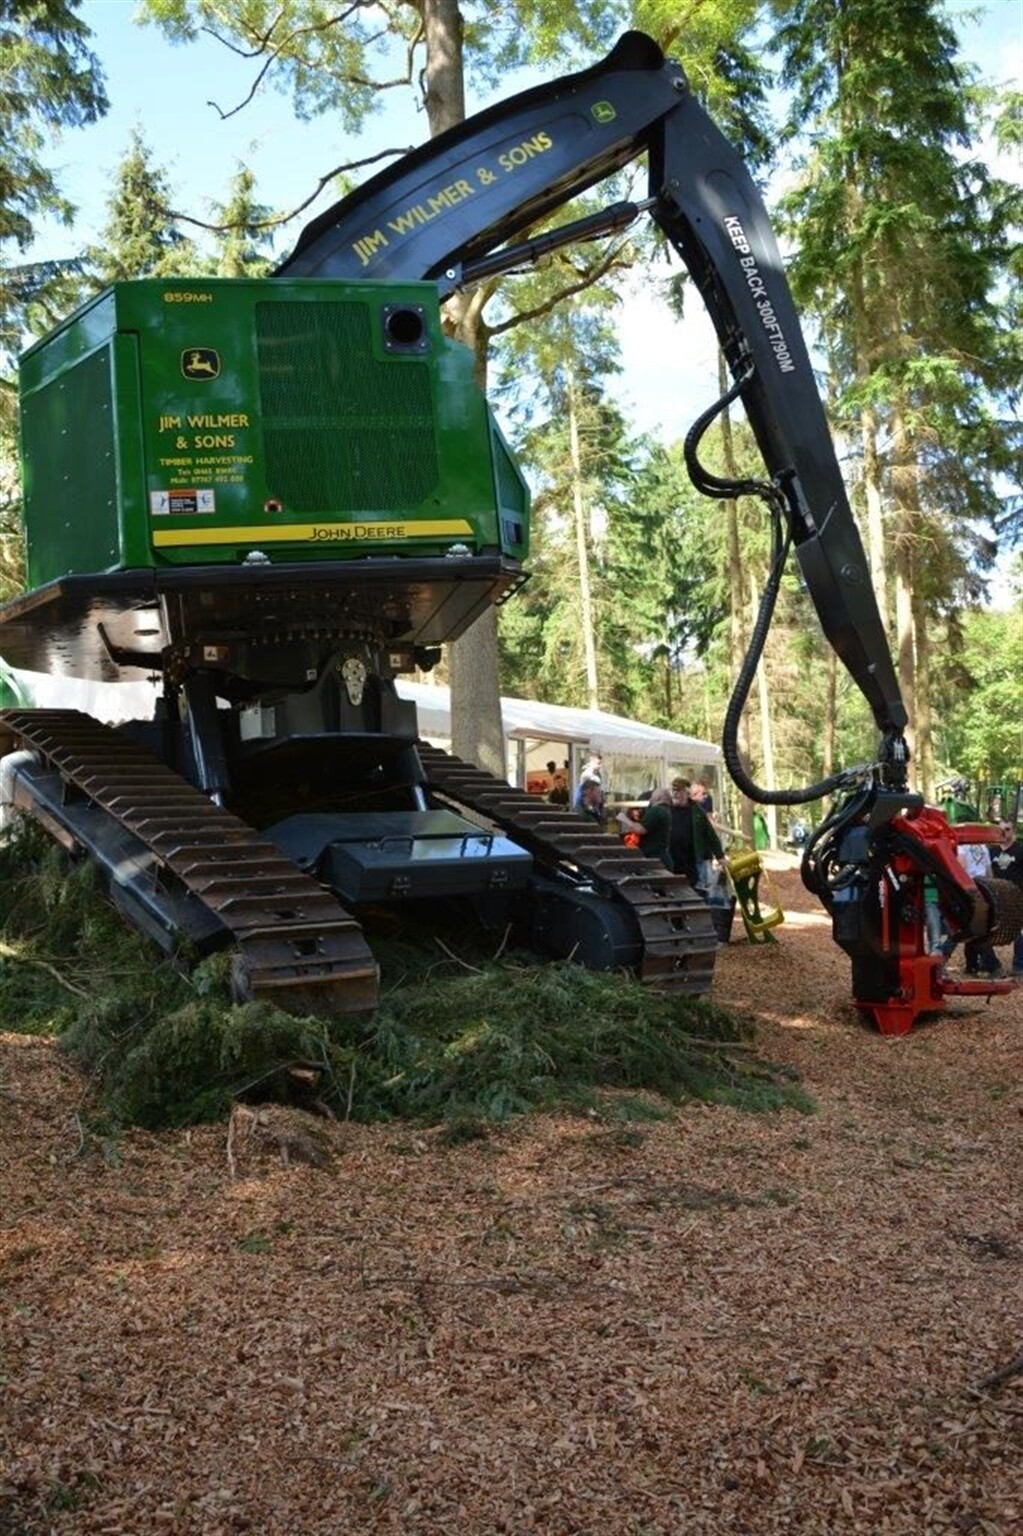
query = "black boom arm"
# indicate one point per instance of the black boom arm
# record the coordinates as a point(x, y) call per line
point(463, 194)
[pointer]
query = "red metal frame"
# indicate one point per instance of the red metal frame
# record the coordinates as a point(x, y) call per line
point(923, 986)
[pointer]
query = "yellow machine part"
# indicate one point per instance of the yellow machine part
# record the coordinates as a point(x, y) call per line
point(746, 873)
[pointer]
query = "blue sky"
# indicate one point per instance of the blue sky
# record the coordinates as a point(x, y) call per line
point(165, 90)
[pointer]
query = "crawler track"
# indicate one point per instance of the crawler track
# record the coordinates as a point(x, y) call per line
point(296, 944)
point(674, 925)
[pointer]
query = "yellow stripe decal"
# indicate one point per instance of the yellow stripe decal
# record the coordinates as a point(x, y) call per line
point(312, 533)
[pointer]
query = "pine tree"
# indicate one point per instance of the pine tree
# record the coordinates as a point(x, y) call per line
point(1008, 220)
point(49, 81)
point(140, 238)
point(243, 239)
point(898, 259)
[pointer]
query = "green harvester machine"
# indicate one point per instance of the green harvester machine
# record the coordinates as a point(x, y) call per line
point(272, 498)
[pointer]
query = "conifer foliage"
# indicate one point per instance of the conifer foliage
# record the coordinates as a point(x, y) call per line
point(900, 250)
point(461, 1038)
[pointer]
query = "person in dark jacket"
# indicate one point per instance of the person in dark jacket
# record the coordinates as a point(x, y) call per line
point(558, 779)
point(694, 840)
point(699, 794)
point(653, 828)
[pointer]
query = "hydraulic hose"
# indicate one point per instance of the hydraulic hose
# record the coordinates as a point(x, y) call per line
point(725, 489)
point(821, 869)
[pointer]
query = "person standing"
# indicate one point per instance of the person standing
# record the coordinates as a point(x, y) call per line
point(935, 931)
point(694, 841)
point(558, 792)
point(592, 773)
point(1007, 864)
point(980, 959)
point(592, 802)
point(593, 768)
point(653, 828)
point(699, 794)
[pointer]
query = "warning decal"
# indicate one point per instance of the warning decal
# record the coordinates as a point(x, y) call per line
point(180, 503)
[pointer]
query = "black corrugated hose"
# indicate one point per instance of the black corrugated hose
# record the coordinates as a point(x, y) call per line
point(721, 490)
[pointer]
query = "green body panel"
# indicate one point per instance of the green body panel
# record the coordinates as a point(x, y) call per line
point(13, 693)
point(196, 422)
point(69, 453)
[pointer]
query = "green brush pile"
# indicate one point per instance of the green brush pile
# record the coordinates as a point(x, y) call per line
point(459, 1037)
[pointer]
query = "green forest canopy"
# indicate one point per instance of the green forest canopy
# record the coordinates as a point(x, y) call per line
point(904, 264)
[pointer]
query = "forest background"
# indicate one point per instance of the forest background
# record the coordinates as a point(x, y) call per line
point(888, 144)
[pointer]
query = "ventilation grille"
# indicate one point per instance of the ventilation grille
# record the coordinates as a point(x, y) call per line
point(71, 514)
point(343, 431)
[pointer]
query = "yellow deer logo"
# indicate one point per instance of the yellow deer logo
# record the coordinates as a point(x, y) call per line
point(200, 363)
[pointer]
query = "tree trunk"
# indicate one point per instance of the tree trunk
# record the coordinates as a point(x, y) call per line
point(873, 469)
point(477, 733)
point(904, 496)
point(925, 773)
point(582, 549)
point(872, 478)
point(443, 74)
point(905, 659)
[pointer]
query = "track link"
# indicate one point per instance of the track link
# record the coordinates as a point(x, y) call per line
point(675, 925)
point(297, 946)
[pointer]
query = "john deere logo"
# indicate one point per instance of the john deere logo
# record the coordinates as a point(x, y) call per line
point(200, 363)
point(603, 111)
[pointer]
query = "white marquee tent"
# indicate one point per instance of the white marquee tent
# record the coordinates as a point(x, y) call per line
point(636, 755)
point(527, 720)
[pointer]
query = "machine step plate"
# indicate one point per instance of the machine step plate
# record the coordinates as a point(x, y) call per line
point(675, 925)
point(296, 944)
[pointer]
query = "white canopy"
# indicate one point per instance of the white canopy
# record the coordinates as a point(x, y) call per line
point(527, 720)
point(524, 719)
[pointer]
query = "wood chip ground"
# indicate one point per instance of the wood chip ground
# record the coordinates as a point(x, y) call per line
point(721, 1323)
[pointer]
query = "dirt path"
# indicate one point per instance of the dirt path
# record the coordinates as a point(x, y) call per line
point(724, 1323)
